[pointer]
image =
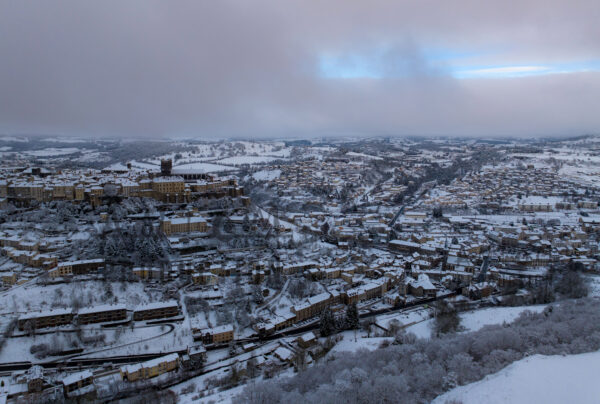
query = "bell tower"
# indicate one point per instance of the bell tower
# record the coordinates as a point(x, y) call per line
point(166, 166)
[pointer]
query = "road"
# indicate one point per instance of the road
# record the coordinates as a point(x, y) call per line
point(396, 216)
point(274, 299)
point(77, 363)
point(484, 268)
point(171, 328)
point(76, 360)
point(84, 362)
point(314, 325)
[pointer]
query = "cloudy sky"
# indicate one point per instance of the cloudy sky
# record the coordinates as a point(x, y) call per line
point(254, 68)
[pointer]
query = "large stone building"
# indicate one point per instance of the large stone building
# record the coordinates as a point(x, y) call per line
point(184, 225)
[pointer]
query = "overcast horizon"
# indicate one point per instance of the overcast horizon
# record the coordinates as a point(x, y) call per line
point(266, 69)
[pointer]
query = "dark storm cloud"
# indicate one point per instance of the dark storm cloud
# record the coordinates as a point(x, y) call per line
point(251, 68)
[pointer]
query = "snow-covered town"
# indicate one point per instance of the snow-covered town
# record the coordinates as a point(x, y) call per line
point(292, 202)
point(191, 272)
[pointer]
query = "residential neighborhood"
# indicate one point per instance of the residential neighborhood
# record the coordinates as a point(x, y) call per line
point(220, 263)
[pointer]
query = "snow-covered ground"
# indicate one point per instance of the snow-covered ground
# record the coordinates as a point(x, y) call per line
point(363, 155)
point(13, 139)
point(158, 339)
point(593, 282)
point(565, 217)
point(221, 397)
point(235, 153)
point(477, 319)
point(23, 299)
point(585, 174)
point(405, 318)
point(65, 140)
point(422, 329)
point(238, 160)
point(202, 167)
point(536, 379)
point(565, 154)
point(266, 175)
point(144, 166)
point(18, 349)
point(53, 151)
point(354, 341)
point(94, 156)
point(218, 367)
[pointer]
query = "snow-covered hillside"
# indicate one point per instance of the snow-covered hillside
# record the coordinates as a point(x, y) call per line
point(536, 379)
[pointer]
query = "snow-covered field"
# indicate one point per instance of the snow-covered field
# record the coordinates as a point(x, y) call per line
point(363, 155)
point(65, 140)
point(477, 319)
point(93, 157)
point(144, 166)
point(419, 323)
point(18, 349)
point(13, 139)
point(352, 342)
point(53, 151)
point(221, 397)
point(422, 329)
point(235, 153)
point(239, 160)
point(202, 167)
point(586, 174)
point(536, 379)
point(266, 175)
point(405, 318)
point(157, 340)
point(565, 154)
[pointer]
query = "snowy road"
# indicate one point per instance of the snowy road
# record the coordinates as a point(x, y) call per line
point(83, 354)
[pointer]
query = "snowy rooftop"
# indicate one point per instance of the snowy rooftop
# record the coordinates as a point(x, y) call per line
point(220, 329)
point(309, 336)
point(405, 243)
point(76, 377)
point(283, 353)
point(82, 262)
point(157, 305)
point(319, 298)
point(168, 179)
point(47, 313)
point(190, 219)
point(102, 308)
point(151, 363)
point(424, 282)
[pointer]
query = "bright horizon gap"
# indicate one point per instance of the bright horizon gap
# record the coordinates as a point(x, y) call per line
point(376, 67)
